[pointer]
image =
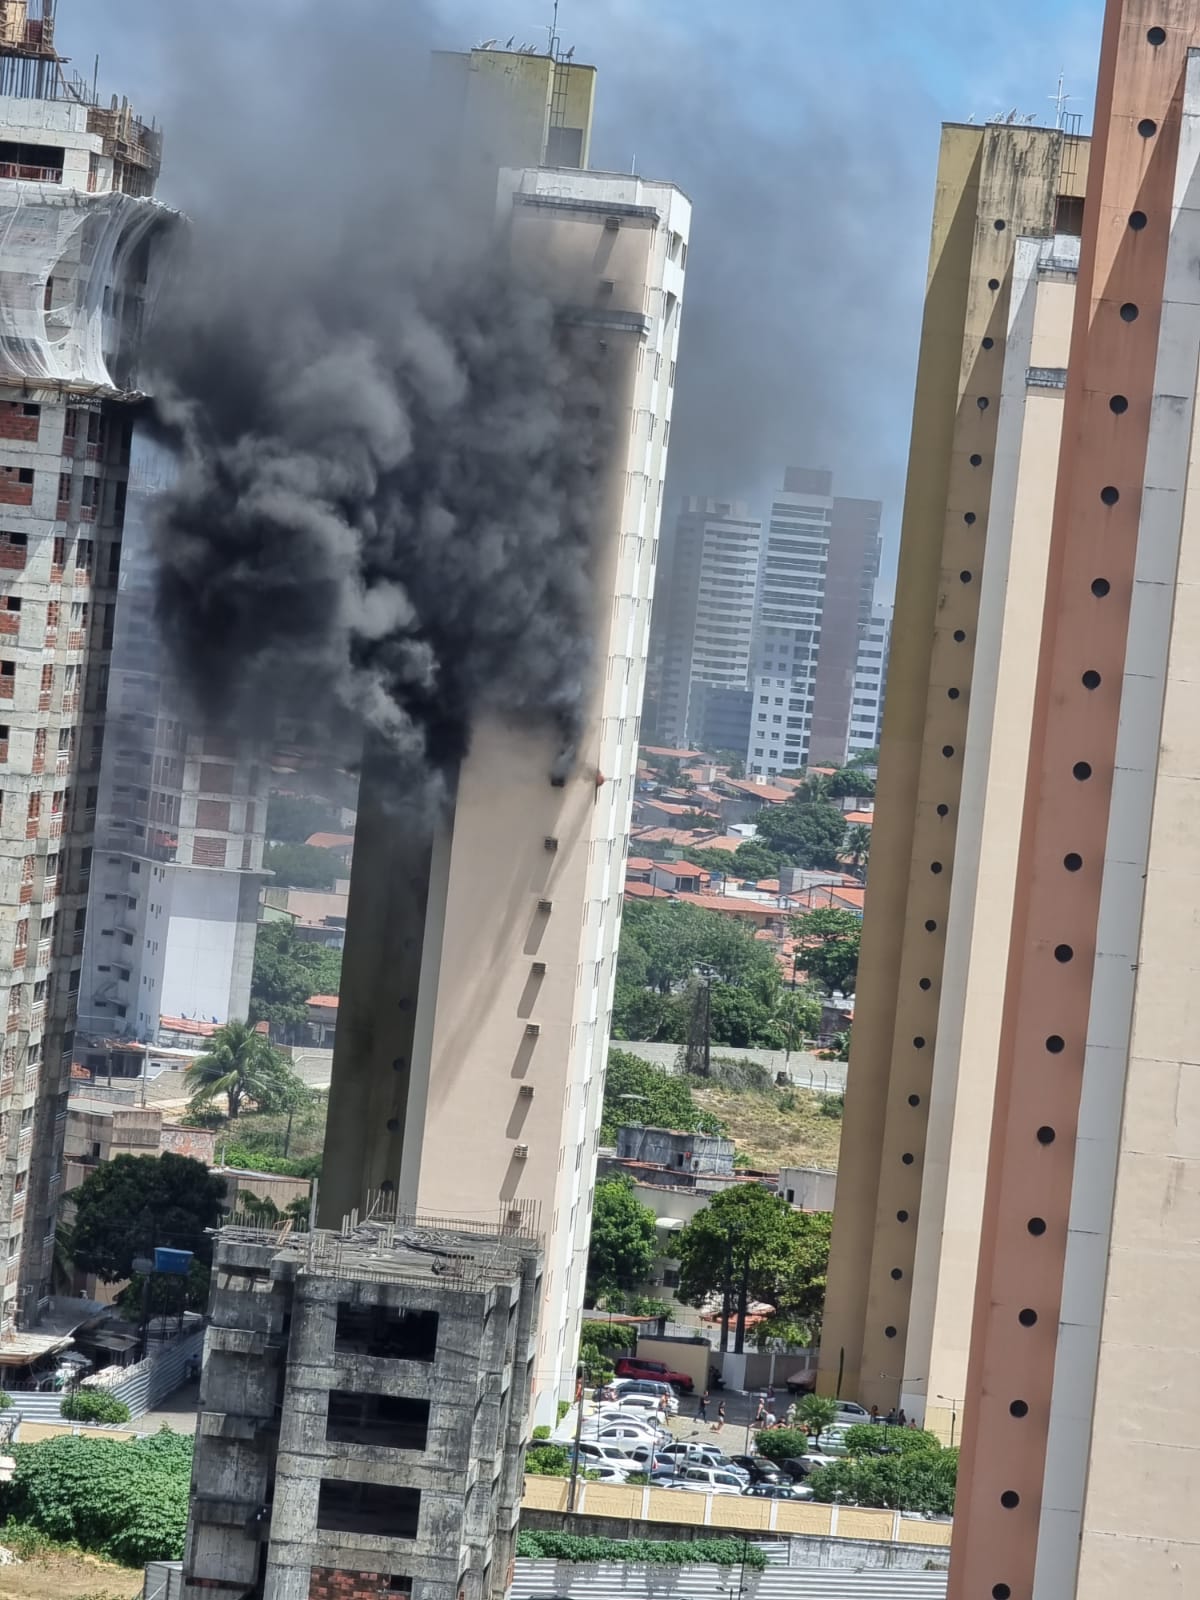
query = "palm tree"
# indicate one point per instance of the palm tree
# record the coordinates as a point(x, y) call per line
point(858, 846)
point(243, 1065)
point(817, 1411)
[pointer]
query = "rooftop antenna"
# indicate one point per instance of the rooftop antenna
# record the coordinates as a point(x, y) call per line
point(1059, 102)
point(554, 32)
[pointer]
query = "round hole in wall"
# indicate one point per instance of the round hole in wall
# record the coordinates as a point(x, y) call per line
point(404, 1004)
point(399, 1064)
point(896, 1274)
point(1129, 312)
point(393, 1125)
point(889, 1333)
point(1046, 1135)
point(1063, 953)
point(1090, 679)
point(959, 636)
point(1137, 220)
point(1036, 1226)
point(993, 283)
point(969, 518)
point(1019, 1408)
point(925, 983)
point(908, 1158)
point(919, 1042)
point(1001, 1591)
point(953, 694)
point(1156, 36)
point(1027, 1318)
point(999, 224)
point(988, 343)
point(1100, 587)
point(947, 751)
point(964, 576)
point(1081, 771)
point(1073, 861)
point(902, 1216)
point(1147, 127)
point(1118, 405)
point(935, 867)
point(983, 402)
point(931, 926)
point(1110, 495)
point(943, 810)
point(976, 461)
point(1010, 1499)
point(914, 1099)
point(1055, 1044)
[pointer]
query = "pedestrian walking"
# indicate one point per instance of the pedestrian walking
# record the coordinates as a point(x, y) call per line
point(890, 1419)
point(874, 1417)
point(720, 1417)
point(761, 1413)
point(901, 1419)
point(702, 1408)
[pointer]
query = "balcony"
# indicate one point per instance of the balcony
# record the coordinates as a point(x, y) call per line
point(74, 642)
point(44, 950)
point(18, 1204)
point(37, 1020)
point(62, 766)
point(51, 887)
point(23, 172)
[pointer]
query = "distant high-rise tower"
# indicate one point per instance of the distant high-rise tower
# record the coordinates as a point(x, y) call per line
point(870, 681)
point(820, 559)
point(707, 624)
point(75, 179)
point(478, 971)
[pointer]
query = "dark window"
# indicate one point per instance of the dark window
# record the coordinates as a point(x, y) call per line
point(385, 1331)
point(1068, 215)
point(25, 475)
point(373, 1508)
point(381, 1419)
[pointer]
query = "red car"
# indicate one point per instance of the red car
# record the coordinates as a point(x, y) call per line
point(633, 1367)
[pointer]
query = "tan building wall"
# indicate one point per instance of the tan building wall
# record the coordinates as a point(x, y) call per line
point(1089, 1268)
point(988, 833)
point(994, 184)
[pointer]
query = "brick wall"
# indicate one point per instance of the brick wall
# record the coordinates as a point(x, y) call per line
point(14, 424)
point(331, 1583)
point(199, 1143)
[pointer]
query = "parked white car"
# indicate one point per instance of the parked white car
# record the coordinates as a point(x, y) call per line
point(592, 1453)
point(849, 1414)
point(617, 1414)
point(625, 1433)
point(710, 1480)
point(626, 1388)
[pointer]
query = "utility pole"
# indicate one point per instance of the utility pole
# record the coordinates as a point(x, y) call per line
point(580, 1381)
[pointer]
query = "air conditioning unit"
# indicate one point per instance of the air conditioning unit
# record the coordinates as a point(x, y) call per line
point(545, 905)
point(550, 844)
point(526, 1091)
point(539, 969)
point(532, 1029)
point(520, 1152)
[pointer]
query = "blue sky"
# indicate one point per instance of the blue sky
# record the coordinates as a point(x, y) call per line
point(805, 134)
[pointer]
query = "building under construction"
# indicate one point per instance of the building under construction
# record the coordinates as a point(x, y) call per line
point(76, 227)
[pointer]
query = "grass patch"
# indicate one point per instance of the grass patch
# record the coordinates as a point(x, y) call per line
point(774, 1127)
point(266, 1131)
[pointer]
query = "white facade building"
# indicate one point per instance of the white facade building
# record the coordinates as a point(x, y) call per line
point(870, 681)
point(173, 908)
point(708, 626)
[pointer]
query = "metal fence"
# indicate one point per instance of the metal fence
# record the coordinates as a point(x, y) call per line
point(141, 1386)
point(539, 1580)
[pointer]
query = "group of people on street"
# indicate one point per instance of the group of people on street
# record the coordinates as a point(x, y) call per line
point(765, 1415)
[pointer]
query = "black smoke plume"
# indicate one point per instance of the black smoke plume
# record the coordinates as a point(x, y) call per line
point(386, 441)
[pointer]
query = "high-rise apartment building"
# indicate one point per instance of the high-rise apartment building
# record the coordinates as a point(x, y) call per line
point(707, 627)
point(180, 822)
point(996, 185)
point(478, 968)
point(75, 181)
point(820, 560)
point(363, 1412)
point(870, 681)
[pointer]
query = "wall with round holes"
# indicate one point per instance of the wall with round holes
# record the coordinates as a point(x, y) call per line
point(1048, 1000)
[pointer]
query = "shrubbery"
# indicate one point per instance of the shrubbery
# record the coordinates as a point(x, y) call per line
point(900, 1469)
point(126, 1501)
point(659, 1552)
point(94, 1405)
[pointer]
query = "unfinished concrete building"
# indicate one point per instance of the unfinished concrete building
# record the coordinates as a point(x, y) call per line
point(363, 1411)
point(75, 240)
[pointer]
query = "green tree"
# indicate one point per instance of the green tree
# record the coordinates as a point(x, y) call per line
point(817, 1412)
point(858, 846)
point(746, 1238)
point(292, 818)
point(921, 1481)
point(127, 1206)
point(302, 866)
point(622, 1247)
point(124, 1500)
point(808, 831)
point(635, 1091)
point(849, 783)
point(828, 943)
point(287, 970)
point(243, 1066)
point(755, 860)
point(94, 1405)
